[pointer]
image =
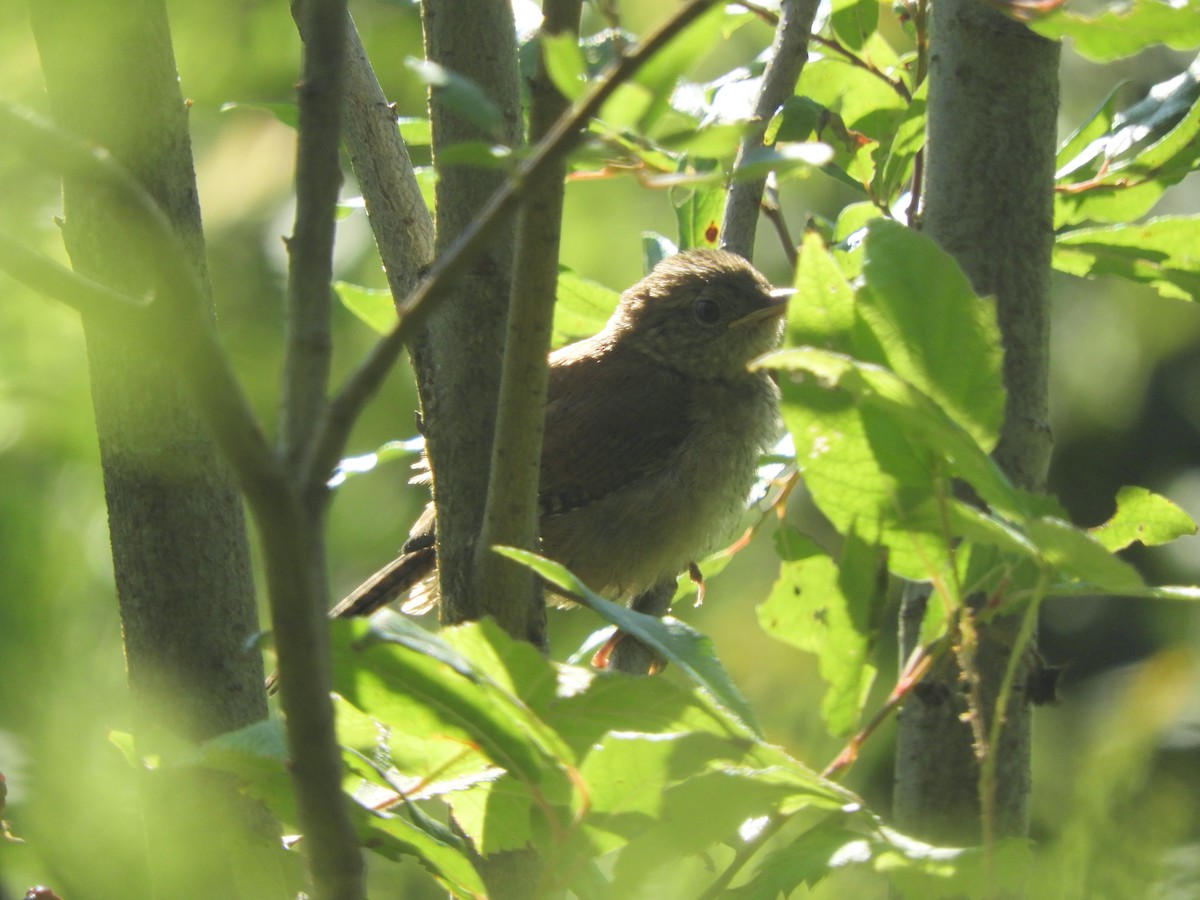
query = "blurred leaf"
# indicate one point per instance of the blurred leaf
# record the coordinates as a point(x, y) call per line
point(783, 159)
point(480, 154)
point(375, 307)
point(865, 103)
point(715, 141)
point(812, 606)
point(804, 860)
point(565, 63)
point(663, 71)
point(1145, 517)
point(698, 213)
point(853, 21)
point(417, 131)
point(1163, 253)
point(583, 306)
point(933, 331)
point(287, 113)
point(351, 466)
point(1080, 556)
point(674, 641)
point(822, 312)
point(655, 248)
point(1125, 30)
point(461, 95)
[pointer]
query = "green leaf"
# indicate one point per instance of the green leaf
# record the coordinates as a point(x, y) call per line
point(1079, 556)
point(1126, 29)
point(783, 159)
point(674, 641)
point(1087, 142)
point(907, 143)
point(853, 21)
point(417, 131)
point(1155, 143)
point(822, 312)
point(582, 308)
point(565, 63)
point(287, 113)
point(394, 837)
point(934, 332)
point(1163, 253)
point(655, 248)
point(1144, 517)
point(480, 154)
point(926, 432)
point(699, 212)
point(375, 307)
point(414, 681)
point(830, 612)
point(461, 95)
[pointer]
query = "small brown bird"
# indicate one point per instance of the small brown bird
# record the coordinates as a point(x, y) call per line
point(654, 428)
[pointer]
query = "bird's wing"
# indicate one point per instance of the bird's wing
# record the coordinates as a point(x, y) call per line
point(607, 426)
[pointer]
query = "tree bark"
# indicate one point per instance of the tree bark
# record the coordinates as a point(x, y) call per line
point(457, 356)
point(993, 101)
point(180, 553)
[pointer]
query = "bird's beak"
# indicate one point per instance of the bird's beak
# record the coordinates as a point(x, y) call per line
point(777, 305)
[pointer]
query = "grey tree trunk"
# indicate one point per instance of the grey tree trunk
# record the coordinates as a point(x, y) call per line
point(180, 553)
point(457, 357)
point(993, 101)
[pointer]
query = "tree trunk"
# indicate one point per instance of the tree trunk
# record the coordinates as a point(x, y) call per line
point(457, 357)
point(180, 554)
point(993, 102)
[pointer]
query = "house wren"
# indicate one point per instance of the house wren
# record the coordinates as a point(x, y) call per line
point(654, 427)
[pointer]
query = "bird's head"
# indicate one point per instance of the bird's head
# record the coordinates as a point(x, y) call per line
point(705, 313)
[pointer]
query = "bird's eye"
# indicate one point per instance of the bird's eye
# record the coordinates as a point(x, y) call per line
point(706, 311)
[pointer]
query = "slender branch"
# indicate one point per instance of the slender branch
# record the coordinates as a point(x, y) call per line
point(365, 381)
point(399, 218)
point(308, 346)
point(511, 512)
point(788, 54)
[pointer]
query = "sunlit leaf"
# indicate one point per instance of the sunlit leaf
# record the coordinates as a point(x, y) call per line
point(1143, 517)
point(1124, 29)
point(699, 212)
point(827, 610)
point(375, 307)
point(933, 331)
point(1163, 253)
point(1080, 556)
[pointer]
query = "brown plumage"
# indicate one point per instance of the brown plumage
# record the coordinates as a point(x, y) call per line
point(654, 427)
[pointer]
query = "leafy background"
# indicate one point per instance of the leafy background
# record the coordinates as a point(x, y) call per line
point(1120, 748)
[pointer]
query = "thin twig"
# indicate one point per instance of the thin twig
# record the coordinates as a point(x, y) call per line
point(789, 51)
point(365, 380)
point(308, 345)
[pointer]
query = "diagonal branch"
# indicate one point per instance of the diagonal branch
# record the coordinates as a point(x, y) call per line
point(567, 131)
